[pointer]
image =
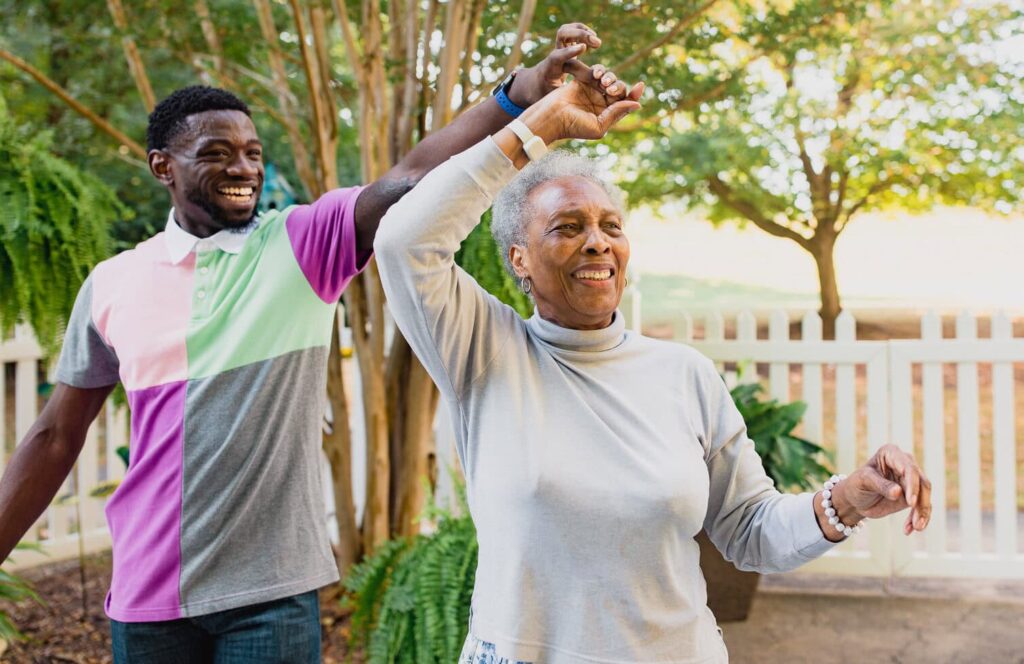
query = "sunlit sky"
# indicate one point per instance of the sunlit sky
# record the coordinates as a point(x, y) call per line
point(949, 259)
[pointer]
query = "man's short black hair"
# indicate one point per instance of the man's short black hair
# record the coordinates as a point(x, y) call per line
point(169, 118)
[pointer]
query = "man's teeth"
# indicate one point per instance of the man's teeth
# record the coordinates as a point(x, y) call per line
point(244, 192)
point(595, 275)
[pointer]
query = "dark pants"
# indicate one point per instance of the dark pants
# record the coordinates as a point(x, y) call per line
point(286, 631)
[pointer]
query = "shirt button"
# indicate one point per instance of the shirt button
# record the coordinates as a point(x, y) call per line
point(204, 270)
point(201, 294)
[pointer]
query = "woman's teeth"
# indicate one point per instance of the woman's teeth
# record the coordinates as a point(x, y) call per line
point(595, 275)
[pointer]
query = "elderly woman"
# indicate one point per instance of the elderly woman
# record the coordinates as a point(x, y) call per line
point(592, 455)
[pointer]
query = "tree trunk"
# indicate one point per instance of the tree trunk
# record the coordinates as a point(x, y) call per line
point(337, 444)
point(824, 257)
point(412, 398)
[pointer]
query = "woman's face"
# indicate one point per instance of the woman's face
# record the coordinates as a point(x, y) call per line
point(576, 253)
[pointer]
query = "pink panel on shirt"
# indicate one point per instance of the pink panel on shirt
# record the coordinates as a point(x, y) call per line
point(141, 305)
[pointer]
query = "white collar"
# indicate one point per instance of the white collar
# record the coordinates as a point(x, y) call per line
point(180, 243)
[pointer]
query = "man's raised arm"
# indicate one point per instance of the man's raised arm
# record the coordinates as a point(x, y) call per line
point(483, 120)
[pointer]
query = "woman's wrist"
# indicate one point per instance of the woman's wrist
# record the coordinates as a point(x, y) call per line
point(845, 510)
point(541, 119)
point(840, 508)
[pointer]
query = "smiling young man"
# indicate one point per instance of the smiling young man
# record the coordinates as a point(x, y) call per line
point(219, 329)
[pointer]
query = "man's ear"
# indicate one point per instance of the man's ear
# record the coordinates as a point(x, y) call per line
point(517, 256)
point(160, 167)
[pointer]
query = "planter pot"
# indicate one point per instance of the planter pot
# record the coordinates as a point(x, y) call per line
point(730, 591)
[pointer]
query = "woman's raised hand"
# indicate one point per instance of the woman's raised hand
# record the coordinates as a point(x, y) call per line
point(586, 107)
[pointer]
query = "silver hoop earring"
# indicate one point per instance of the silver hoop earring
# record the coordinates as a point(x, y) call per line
point(527, 285)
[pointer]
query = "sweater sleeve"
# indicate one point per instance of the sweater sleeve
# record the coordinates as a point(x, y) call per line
point(753, 525)
point(453, 325)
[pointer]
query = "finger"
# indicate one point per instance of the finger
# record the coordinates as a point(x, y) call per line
point(580, 72)
point(881, 485)
point(608, 78)
point(597, 71)
point(636, 92)
point(614, 113)
point(573, 33)
point(907, 471)
point(616, 90)
point(908, 525)
point(924, 504)
point(562, 55)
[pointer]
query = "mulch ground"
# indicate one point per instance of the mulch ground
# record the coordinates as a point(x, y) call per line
point(59, 631)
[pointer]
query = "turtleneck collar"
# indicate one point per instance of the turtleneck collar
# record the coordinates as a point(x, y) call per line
point(589, 341)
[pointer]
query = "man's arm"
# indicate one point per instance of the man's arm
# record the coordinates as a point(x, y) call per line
point(469, 129)
point(44, 458)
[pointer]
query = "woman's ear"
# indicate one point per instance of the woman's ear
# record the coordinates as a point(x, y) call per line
point(517, 257)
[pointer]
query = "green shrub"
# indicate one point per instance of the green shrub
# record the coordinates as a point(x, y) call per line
point(794, 463)
point(411, 597)
point(13, 589)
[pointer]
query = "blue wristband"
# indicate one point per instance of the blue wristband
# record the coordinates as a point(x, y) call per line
point(507, 105)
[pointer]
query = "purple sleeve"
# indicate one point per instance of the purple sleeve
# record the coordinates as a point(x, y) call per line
point(323, 238)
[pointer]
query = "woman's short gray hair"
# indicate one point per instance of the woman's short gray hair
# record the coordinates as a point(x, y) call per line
point(512, 210)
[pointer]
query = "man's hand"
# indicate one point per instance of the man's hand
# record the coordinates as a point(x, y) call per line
point(533, 83)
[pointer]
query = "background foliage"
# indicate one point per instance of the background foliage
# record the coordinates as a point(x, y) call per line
point(54, 224)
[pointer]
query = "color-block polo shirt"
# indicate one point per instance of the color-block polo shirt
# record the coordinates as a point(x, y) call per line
point(223, 352)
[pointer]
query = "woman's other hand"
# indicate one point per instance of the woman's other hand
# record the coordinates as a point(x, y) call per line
point(889, 482)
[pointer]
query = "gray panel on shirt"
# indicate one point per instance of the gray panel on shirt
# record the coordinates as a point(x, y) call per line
point(86, 360)
point(252, 507)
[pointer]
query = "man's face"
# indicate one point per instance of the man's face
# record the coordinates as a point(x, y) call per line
point(214, 171)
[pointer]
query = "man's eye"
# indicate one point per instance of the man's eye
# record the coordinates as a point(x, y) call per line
point(255, 154)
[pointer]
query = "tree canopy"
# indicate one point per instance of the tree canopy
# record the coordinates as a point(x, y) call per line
point(890, 105)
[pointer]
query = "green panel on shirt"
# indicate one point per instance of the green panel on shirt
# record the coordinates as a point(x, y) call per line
point(253, 306)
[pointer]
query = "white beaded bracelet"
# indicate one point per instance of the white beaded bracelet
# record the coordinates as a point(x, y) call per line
point(830, 511)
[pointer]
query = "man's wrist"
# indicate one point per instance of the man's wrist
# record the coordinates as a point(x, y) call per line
point(520, 89)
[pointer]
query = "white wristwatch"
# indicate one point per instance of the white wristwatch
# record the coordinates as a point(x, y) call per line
point(533, 145)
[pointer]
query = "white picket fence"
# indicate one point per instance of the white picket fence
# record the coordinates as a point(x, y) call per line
point(894, 391)
point(58, 529)
point(859, 394)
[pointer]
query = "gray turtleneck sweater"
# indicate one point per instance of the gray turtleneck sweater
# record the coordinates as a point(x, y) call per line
point(592, 458)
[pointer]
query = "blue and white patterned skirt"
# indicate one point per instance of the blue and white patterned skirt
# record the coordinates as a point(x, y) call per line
point(475, 651)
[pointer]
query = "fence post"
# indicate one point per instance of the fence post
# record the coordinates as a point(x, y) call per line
point(778, 372)
point(1004, 454)
point(746, 330)
point(933, 406)
point(846, 399)
point(811, 333)
point(969, 441)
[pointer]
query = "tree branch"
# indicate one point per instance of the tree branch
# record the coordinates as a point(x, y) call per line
point(131, 53)
point(75, 105)
point(210, 34)
point(727, 196)
point(285, 99)
point(876, 188)
point(526, 12)
point(647, 49)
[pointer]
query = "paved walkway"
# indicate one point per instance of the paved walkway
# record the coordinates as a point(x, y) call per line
point(828, 620)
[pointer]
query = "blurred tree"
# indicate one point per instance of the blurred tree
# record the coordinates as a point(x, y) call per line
point(889, 105)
